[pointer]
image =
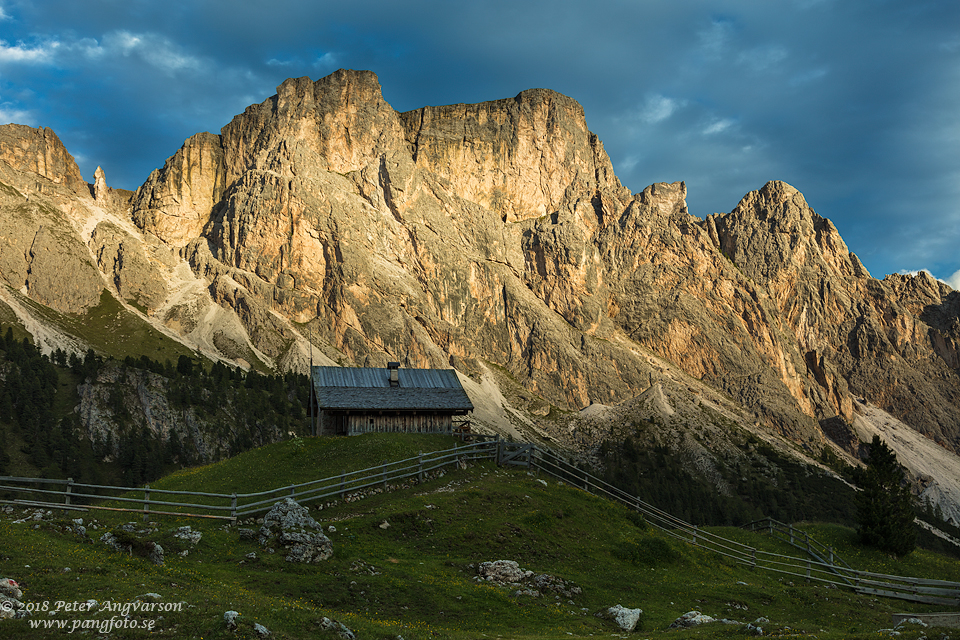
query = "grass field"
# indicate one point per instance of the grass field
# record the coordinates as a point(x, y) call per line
point(404, 562)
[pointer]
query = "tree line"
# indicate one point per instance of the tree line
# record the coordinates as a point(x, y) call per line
point(769, 484)
point(234, 410)
point(762, 484)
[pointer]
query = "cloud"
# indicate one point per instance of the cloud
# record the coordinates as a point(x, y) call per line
point(954, 280)
point(719, 125)
point(21, 53)
point(156, 50)
point(327, 61)
point(11, 114)
point(950, 46)
point(762, 58)
point(658, 108)
point(808, 76)
point(714, 39)
point(628, 163)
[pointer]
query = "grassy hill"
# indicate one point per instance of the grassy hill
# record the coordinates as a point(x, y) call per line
point(404, 562)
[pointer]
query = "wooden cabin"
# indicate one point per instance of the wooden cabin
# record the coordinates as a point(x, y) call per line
point(351, 400)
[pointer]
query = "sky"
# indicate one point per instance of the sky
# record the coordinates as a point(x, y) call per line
point(856, 103)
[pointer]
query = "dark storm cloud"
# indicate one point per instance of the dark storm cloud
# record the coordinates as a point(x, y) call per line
point(854, 103)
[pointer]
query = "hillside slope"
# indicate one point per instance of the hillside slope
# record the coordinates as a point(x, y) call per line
point(406, 562)
point(493, 238)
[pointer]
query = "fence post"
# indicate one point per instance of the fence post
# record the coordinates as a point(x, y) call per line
point(384, 467)
point(146, 503)
point(420, 466)
point(343, 485)
point(66, 498)
point(753, 557)
point(233, 506)
point(831, 555)
point(694, 535)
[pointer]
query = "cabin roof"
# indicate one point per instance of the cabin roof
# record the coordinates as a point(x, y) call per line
point(369, 389)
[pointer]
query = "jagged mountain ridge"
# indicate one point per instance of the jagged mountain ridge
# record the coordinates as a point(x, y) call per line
point(479, 235)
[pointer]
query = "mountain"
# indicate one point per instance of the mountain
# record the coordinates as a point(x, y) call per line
point(496, 239)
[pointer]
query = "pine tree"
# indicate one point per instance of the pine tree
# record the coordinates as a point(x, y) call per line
point(884, 505)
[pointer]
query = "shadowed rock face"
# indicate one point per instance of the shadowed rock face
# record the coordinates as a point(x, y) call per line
point(497, 233)
point(41, 254)
point(892, 341)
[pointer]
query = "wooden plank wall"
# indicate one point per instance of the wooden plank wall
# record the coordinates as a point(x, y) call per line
point(404, 423)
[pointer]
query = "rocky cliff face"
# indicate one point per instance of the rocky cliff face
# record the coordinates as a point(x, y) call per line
point(857, 335)
point(515, 157)
point(494, 238)
point(39, 151)
point(175, 202)
point(497, 232)
point(41, 254)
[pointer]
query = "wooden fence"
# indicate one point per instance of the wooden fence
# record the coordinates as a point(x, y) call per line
point(804, 542)
point(66, 494)
point(821, 564)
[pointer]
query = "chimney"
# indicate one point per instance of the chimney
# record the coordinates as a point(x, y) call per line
point(394, 379)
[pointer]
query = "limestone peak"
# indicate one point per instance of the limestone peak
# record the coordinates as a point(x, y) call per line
point(39, 150)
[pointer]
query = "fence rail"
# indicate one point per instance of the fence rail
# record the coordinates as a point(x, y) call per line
point(822, 564)
point(804, 542)
point(152, 501)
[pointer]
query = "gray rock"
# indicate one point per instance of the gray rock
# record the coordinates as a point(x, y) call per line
point(10, 588)
point(260, 630)
point(559, 586)
point(289, 525)
point(188, 534)
point(626, 618)
point(111, 541)
point(156, 554)
point(691, 619)
point(230, 618)
point(914, 621)
point(503, 571)
point(9, 607)
point(337, 627)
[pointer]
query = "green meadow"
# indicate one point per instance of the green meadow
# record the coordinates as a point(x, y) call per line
point(404, 562)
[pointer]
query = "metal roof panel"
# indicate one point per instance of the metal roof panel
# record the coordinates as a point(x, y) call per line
point(366, 388)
